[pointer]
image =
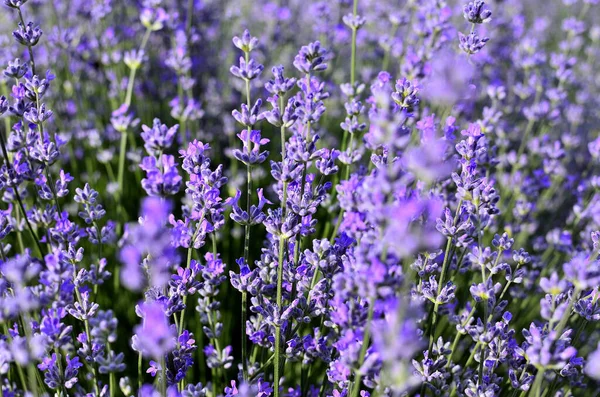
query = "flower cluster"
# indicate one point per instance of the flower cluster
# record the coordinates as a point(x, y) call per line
point(356, 199)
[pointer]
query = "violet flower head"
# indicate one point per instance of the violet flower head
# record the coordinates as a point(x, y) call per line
point(246, 43)
point(158, 137)
point(251, 152)
point(280, 84)
point(311, 58)
point(477, 12)
point(354, 22)
point(16, 69)
point(15, 3)
point(471, 43)
point(153, 19)
point(405, 95)
point(148, 249)
point(154, 337)
point(583, 272)
point(247, 70)
point(28, 35)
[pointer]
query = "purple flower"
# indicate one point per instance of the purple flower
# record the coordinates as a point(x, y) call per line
point(158, 138)
point(28, 35)
point(154, 337)
point(477, 12)
point(471, 43)
point(311, 58)
point(246, 43)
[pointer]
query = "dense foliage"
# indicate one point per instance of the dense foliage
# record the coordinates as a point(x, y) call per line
point(351, 198)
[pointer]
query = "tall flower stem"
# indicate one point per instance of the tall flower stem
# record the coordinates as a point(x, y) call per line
point(445, 264)
point(345, 135)
point(140, 372)
point(31, 371)
point(246, 237)
point(386, 56)
point(363, 349)
point(187, 266)
point(18, 197)
point(304, 170)
point(89, 339)
point(128, 99)
point(282, 242)
point(277, 364)
point(353, 51)
point(111, 376)
point(352, 66)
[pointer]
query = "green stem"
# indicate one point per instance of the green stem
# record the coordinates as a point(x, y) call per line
point(440, 286)
point(277, 353)
point(352, 66)
point(353, 53)
point(536, 390)
point(140, 376)
point(31, 371)
point(163, 381)
point(187, 266)
point(122, 155)
point(128, 98)
point(89, 339)
point(246, 238)
point(18, 197)
point(442, 277)
point(363, 349)
point(282, 241)
point(386, 55)
point(458, 336)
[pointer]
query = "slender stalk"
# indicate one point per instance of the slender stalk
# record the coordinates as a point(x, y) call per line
point(304, 170)
point(188, 21)
point(386, 55)
point(352, 65)
point(353, 51)
point(348, 166)
point(189, 261)
point(89, 338)
point(122, 155)
point(140, 376)
point(247, 239)
point(111, 376)
point(536, 390)
point(18, 214)
point(567, 314)
point(345, 135)
point(53, 189)
point(18, 197)
point(262, 368)
point(363, 349)
point(337, 226)
point(128, 98)
point(31, 371)
point(277, 365)
point(442, 277)
point(163, 380)
point(282, 242)
point(458, 336)
point(440, 286)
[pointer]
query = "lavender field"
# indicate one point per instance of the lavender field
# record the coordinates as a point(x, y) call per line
point(300, 198)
